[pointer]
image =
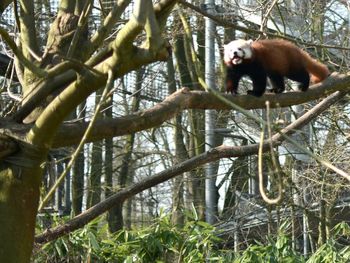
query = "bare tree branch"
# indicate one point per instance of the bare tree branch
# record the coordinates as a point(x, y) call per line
point(123, 59)
point(108, 23)
point(28, 29)
point(136, 58)
point(71, 133)
point(210, 156)
point(20, 56)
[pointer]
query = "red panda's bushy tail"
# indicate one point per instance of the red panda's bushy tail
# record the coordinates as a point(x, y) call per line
point(318, 71)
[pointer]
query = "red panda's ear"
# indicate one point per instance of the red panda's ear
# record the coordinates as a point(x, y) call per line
point(250, 41)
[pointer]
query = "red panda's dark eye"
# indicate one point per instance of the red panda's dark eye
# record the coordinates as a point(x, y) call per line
point(239, 49)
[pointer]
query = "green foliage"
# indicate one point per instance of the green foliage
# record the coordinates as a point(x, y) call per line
point(281, 250)
point(329, 253)
point(196, 241)
point(275, 251)
point(332, 251)
point(161, 242)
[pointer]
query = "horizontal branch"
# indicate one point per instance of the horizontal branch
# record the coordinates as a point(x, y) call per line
point(71, 133)
point(209, 156)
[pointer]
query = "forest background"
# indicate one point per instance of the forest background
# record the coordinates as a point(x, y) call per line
point(112, 118)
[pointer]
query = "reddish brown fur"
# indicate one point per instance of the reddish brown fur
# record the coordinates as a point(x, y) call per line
point(284, 57)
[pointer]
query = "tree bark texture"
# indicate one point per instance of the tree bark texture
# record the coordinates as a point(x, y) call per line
point(19, 197)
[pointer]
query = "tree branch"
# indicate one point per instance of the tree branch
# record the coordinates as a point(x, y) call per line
point(28, 31)
point(71, 133)
point(125, 57)
point(138, 57)
point(108, 24)
point(66, 6)
point(209, 156)
point(83, 19)
point(20, 56)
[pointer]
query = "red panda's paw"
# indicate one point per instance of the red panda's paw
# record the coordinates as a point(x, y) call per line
point(230, 88)
point(279, 90)
point(232, 91)
point(303, 87)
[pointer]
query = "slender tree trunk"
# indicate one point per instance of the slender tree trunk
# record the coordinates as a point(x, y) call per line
point(94, 189)
point(178, 189)
point(116, 220)
point(78, 175)
point(115, 216)
point(109, 167)
point(78, 184)
point(322, 224)
point(195, 182)
point(180, 153)
point(127, 209)
point(238, 183)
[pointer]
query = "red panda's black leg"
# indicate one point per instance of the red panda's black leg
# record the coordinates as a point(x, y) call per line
point(230, 87)
point(232, 80)
point(259, 79)
point(277, 82)
point(303, 78)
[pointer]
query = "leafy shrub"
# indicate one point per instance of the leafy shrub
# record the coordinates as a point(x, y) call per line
point(281, 250)
point(195, 242)
point(160, 242)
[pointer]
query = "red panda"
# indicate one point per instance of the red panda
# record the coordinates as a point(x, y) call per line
point(274, 59)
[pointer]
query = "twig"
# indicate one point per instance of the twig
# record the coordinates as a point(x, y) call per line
point(266, 16)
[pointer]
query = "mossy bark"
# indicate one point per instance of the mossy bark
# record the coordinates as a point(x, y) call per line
point(19, 196)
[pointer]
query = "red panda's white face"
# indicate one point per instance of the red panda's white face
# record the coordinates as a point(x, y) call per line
point(236, 51)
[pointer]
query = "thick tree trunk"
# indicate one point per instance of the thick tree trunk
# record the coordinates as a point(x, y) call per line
point(19, 196)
